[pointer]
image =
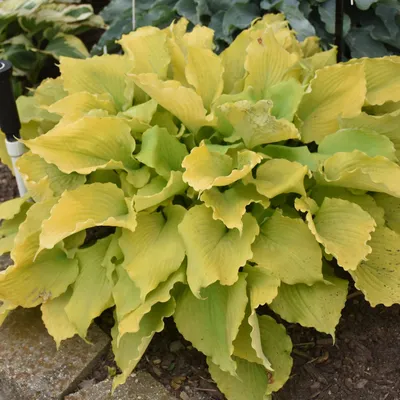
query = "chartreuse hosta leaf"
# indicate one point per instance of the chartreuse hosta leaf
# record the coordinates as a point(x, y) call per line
point(92, 278)
point(288, 249)
point(365, 201)
point(9, 209)
point(129, 349)
point(262, 285)
point(247, 344)
point(299, 154)
point(285, 97)
point(204, 72)
point(206, 168)
point(318, 306)
point(252, 380)
point(391, 207)
point(233, 59)
point(337, 90)
point(56, 319)
point(255, 125)
point(97, 143)
point(179, 41)
point(27, 240)
point(356, 170)
point(77, 105)
point(161, 151)
point(125, 293)
point(367, 141)
point(212, 324)
point(147, 49)
point(159, 190)
point(383, 79)
point(75, 212)
point(379, 276)
point(279, 176)
point(138, 117)
point(162, 294)
point(387, 124)
point(267, 63)
point(46, 180)
point(181, 101)
point(50, 91)
point(37, 282)
point(230, 206)
point(155, 249)
point(209, 248)
point(99, 75)
point(344, 229)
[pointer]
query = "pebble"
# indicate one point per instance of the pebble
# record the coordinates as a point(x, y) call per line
point(184, 396)
point(361, 383)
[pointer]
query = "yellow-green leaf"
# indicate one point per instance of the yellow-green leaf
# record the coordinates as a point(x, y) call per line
point(391, 206)
point(129, 349)
point(267, 63)
point(204, 72)
point(39, 177)
point(98, 75)
point(279, 176)
point(215, 253)
point(88, 144)
point(262, 285)
point(387, 124)
point(56, 320)
point(255, 124)
point(147, 48)
point(357, 170)
point(379, 276)
point(181, 101)
point(98, 204)
point(206, 168)
point(288, 249)
point(344, 229)
point(155, 249)
point(42, 280)
point(91, 291)
point(336, 91)
point(318, 306)
point(161, 151)
point(162, 294)
point(212, 324)
point(230, 206)
point(159, 190)
point(365, 201)
point(350, 139)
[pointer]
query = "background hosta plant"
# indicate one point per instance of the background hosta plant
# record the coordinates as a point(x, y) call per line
point(371, 27)
point(258, 177)
point(32, 31)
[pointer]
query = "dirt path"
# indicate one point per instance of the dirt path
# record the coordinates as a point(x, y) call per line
point(364, 363)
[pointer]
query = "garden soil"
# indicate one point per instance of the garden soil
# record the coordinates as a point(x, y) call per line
point(362, 364)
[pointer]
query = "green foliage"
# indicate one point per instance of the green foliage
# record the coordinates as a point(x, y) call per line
point(371, 27)
point(223, 182)
point(35, 30)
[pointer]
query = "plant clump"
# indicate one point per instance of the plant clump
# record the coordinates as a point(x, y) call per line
point(231, 182)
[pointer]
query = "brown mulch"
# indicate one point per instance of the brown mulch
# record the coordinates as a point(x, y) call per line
point(363, 363)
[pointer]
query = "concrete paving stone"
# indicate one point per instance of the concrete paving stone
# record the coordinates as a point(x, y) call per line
point(139, 386)
point(31, 368)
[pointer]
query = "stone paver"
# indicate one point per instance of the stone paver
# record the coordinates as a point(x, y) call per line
point(139, 386)
point(30, 366)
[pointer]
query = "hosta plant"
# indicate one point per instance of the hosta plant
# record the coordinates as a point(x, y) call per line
point(33, 31)
point(172, 181)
